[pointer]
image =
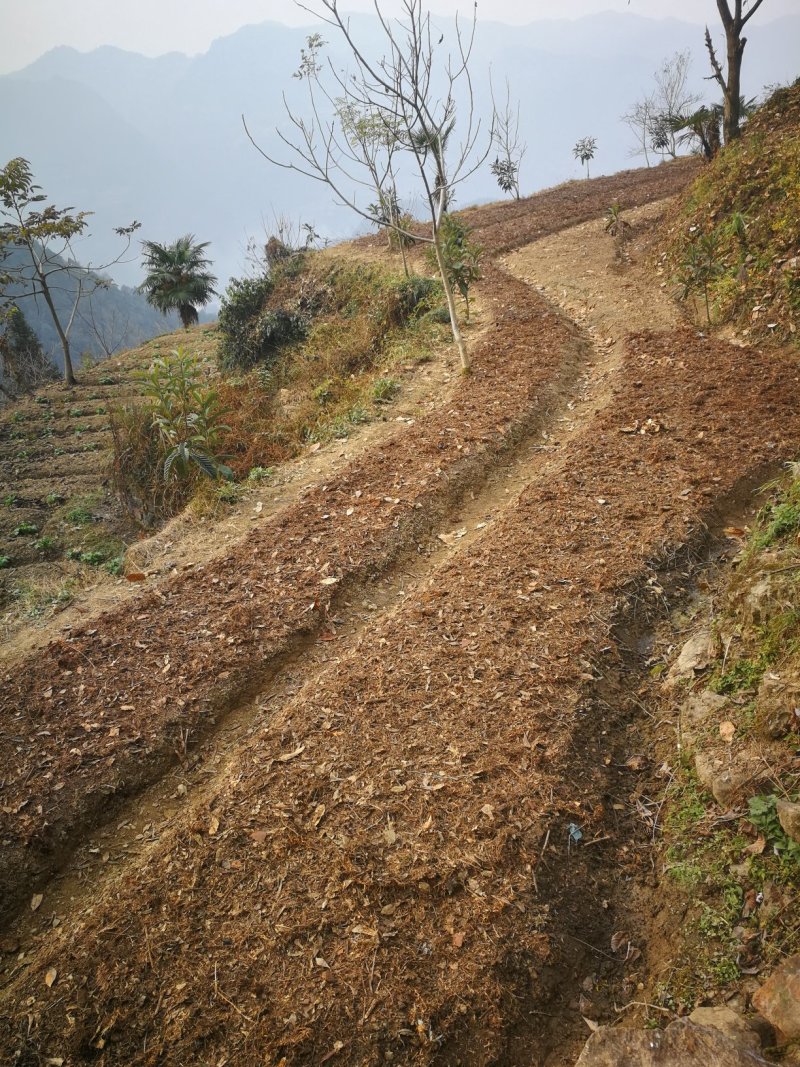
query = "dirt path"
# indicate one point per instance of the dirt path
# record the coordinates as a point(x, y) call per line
point(401, 845)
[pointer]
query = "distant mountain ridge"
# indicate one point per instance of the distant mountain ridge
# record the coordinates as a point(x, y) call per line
point(161, 139)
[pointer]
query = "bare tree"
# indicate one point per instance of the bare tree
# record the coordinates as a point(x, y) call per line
point(671, 99)
point(652, 119)
point(510, 148)
point(731, 83)
point(111, 331)
point(640, 120)
point(411, 91)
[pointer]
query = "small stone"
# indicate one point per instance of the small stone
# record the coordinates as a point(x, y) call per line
point(703, 707)
point(694, 656)
point(775, 703)
point(778, 999)
point(789, 815)
point(723, 782)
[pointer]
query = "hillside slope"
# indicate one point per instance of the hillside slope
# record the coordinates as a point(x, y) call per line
point(364, 784)
point(738, 228)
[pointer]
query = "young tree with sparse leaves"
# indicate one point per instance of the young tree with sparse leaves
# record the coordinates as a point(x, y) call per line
point(510, 147)
point(411, 92)
point(44, 236)
point(584, 150)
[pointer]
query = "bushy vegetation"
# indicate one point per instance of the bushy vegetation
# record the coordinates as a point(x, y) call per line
point(342, 326)
point(736, 244)
point(306, 353)
point(166, 443)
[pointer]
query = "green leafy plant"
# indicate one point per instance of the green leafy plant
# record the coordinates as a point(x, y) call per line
point(259, 474)
point(460, 256)
point(188, 416)
point(615, 225)
point(80, 515)
point(6, 562)
point(701, 266)
point(45, 544)
point(384, 390)
point(26, 529)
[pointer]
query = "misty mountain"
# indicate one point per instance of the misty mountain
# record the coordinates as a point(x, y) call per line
point(161, 140)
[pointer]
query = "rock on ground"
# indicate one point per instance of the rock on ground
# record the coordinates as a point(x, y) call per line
point(778, 1000)
point(789, 815)
point(729, 1023)
point(682, 1044)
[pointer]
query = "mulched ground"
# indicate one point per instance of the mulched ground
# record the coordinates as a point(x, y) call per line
point(387, 876)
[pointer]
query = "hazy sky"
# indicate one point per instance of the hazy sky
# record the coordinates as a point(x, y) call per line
point(30, 27)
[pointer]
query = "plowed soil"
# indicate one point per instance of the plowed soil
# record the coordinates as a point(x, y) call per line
point(346, 793)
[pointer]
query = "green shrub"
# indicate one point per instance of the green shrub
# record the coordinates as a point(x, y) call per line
point(26, 529)
point(461, 256)
point(6, 562)
point(162, 446)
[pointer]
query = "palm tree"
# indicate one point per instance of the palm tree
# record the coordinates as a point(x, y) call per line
point(177, 277)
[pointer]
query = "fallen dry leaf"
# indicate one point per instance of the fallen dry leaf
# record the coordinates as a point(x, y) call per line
point(135, 576)
point(291, 755)
point(458, 939)
point(213, 826)
point(758, 846)
point(50, 977)
point(36, 901)
point(258, 837)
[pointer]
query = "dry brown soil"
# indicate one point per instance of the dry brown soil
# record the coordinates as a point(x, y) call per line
point(353, 791)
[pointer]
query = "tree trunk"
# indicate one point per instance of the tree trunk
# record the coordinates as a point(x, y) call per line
point(69, 373)
point(451, 305)
point(732, 99)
